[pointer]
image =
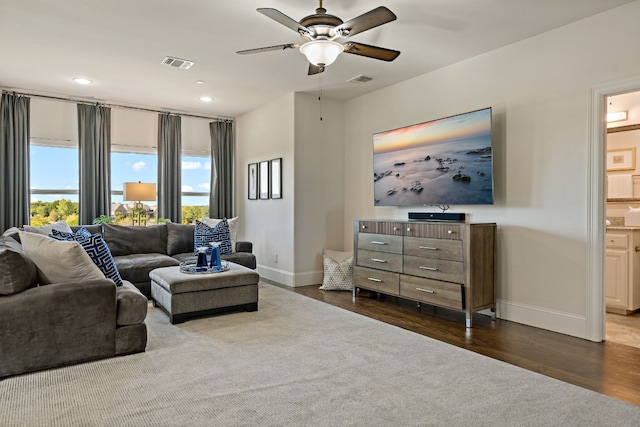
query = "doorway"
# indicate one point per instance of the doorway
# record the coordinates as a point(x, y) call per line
point(622, 260)
point(596, 204)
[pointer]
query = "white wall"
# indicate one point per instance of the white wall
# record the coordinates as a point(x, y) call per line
point(540, 93)
point(309, 217)
point(319, 177)
point(264, 134)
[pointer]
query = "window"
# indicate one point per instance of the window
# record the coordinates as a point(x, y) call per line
point(131, 167)
point(54, 184)
point(196, 182)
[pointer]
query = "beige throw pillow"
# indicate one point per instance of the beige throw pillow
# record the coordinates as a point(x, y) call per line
point(46, 229)
point(338, 271)
point(59, 261)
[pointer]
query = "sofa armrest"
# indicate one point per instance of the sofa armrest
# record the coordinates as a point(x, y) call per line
point(244, 246)
point(57, 324)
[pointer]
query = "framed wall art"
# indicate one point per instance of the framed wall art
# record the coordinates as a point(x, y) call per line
point(252, 179)
point(263, 180)
point(276, 178)
point(621, 159)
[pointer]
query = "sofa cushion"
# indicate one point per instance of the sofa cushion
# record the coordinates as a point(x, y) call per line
point(58, 261)
point(179, 238)
point(46, 229)
point(204, 235)
point(136, 267)
point(127, 240)
point(131, 305)
point(17, 272)
point(96, 248)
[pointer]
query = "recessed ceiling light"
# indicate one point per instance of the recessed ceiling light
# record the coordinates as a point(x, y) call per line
point(200, 82)
point(82, 81)
point(206, 99)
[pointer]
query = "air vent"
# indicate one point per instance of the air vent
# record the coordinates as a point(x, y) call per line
point(177, 62)
point(360, 79)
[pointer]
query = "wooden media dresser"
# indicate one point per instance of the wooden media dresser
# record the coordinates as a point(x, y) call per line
point(446, 264)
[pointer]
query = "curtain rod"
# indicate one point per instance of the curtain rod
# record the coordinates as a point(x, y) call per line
point(83, 101)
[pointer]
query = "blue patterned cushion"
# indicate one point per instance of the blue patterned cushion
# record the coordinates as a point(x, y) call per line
point(95, 246)
point(63, 235)
point(203, 235)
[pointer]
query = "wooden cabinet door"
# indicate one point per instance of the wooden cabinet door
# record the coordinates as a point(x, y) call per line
point(617, 278)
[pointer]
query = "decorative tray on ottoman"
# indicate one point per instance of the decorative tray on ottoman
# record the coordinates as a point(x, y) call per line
point(190, 268)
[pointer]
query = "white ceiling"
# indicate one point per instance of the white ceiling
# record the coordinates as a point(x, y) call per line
point(119, 44)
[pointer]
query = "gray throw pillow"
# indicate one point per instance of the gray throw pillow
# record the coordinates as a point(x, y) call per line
point(17, 272)
point(127, 240)
point(179, 238)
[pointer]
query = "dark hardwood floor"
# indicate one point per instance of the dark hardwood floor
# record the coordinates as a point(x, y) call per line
point(608, 368)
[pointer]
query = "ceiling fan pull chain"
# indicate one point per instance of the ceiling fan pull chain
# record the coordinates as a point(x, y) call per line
point(320, 94)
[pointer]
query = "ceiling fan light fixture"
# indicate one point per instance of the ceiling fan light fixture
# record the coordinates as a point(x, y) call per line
point(321, 52)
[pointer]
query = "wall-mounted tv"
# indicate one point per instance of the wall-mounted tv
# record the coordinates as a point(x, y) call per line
point(447, 161)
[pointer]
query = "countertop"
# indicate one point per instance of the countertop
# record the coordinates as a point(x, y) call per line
point(623, 227)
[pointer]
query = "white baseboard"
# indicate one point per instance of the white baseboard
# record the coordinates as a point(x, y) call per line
point(564, 323)
point(288, 278)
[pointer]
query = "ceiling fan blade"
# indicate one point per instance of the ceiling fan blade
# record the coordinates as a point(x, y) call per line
point(314, 69)
point(366, 21)
point(280, 17)
point(268, 49)
point(371, 51)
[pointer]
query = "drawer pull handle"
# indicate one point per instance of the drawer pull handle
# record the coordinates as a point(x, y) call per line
point(373, 279)
point(375, 242)
point(428, 247)
point(427, 268)
point(429, 291)
point(378, 260)
point(364, 227)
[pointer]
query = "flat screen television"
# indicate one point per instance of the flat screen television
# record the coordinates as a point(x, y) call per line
point(447, 161)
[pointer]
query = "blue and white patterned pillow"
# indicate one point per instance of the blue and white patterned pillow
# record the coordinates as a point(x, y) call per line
point(97, 249)
point(63, 235)
point(203, 235)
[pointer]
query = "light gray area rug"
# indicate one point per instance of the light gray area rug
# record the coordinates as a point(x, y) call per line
point(299, 362)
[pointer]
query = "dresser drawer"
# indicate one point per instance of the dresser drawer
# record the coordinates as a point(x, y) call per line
point(432, 268)
point(380, 260)
point(376, 280)
point(432, 291)
point(381, 227)
point(436, 230)
point(433, 248)
point(380, 243)
point(617, 241)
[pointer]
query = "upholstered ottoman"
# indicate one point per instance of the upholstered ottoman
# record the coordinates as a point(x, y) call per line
point(183, 295)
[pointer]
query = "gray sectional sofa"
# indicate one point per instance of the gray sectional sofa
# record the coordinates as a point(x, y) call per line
point(138, 250)
point(63, 323)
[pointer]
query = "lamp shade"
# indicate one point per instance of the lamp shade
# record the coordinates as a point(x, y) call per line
point(139, 191)
point(321, 52)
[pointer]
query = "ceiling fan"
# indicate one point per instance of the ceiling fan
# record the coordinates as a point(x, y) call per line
point(320, 32)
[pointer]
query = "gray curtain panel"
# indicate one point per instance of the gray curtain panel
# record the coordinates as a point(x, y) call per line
point(94, 138)
point(169, 167)
point(223, 158)
point(14, 161)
